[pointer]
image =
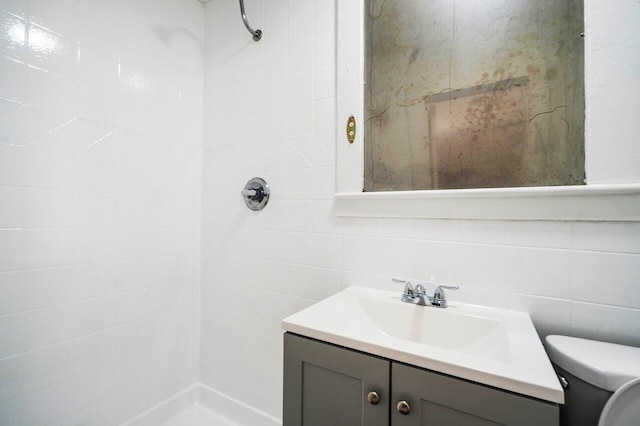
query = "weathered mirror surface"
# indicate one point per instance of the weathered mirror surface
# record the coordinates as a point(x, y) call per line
point(473, 94)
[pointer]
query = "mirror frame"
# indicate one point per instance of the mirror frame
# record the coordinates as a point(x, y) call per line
point(610, 202)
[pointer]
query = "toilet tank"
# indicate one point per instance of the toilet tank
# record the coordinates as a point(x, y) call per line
point(593, 371)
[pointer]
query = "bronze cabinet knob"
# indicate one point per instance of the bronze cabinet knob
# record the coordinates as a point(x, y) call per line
point(373, 398)
point(403, 407)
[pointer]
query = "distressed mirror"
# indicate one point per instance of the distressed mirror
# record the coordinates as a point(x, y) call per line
point(473, 94)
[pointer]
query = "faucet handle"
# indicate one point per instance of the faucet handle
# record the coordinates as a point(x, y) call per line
point(408, 289)
point(439, 297)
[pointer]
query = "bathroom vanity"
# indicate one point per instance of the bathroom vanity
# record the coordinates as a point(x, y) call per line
point(363, 357)
point(326, 384)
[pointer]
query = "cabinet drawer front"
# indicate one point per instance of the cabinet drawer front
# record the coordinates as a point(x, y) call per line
point(438, 399)
point(328, 385)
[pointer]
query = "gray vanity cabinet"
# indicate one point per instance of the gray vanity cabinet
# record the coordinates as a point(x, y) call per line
point(327, 385)
point(439, 400)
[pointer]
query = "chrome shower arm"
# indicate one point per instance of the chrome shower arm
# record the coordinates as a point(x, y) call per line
point(257, 34)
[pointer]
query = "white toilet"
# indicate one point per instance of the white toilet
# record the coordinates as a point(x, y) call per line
point(601, 381)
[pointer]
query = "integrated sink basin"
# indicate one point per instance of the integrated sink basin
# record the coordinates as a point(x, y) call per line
point(495, 347)
point(449, 329)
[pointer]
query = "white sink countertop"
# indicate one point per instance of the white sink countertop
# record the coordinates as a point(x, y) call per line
point(496, 347)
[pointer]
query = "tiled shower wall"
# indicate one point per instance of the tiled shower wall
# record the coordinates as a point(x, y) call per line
point(100, 139)
point(270, 112)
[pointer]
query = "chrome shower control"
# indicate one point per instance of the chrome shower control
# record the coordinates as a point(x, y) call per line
point(256, 194)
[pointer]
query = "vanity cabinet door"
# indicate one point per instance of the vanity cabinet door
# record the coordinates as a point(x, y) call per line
point(437, 399)
point(328, 385)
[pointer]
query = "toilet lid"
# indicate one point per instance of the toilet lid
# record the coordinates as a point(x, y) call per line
point(623, 408)
point(605, 365)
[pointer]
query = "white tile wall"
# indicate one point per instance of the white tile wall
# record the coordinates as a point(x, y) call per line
point(100, 140)
point(579, 279)
point(101, 178)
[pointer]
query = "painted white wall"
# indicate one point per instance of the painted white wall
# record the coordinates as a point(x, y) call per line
point(612, 66)
point(270, 112)
point(100, 135)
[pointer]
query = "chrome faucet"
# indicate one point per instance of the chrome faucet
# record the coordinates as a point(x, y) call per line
point(419, 296)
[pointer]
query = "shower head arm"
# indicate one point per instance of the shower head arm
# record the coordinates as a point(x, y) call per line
point(257, 34)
